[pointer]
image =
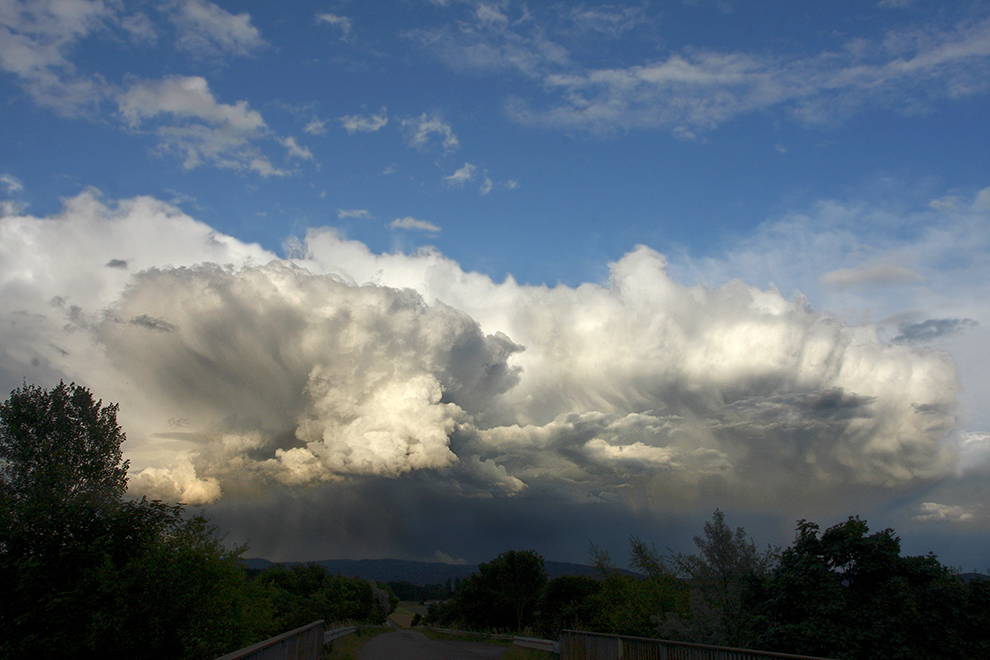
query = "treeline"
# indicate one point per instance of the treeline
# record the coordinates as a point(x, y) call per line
point(843, 593)
point(86, 573)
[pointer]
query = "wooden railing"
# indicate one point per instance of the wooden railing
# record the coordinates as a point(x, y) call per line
point(304, 643)
point(577, 645)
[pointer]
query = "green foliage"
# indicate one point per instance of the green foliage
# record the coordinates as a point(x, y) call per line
point(567, 602)
point(304, 593)
point(630, 605)
point(726, 564)
point(61, 468)
point(405, 590)
point(502, 595)
point(82, 569)
point(846, 593)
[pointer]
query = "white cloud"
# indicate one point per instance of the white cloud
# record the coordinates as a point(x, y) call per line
point(935, 512)
point(315, 127)
point(140, 28)
point(296, 151)
point(876, 275)
point(11, 184)
point(608, 20)
point(207, 30)
point(412, 223)
point(344, 363)
point(354, 213)
point(444, 558)
point(732, 390)
point(358, 124)
point(195, 126)
point(492, 42)
point(419, 131)
point(35, 38)
point(461, 176)
point(340, 22)
point(186, 98)
point(10, 207)
point(697, 89)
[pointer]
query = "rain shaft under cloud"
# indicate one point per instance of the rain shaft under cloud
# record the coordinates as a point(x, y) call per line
point(242, 375)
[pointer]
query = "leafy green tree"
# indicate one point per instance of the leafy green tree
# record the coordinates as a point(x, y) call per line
point(60, 466)
point(846, 593)
point(168, 587)
point(631, 605)
point(726, 564)
point(567, 602)
point(86, 573)
point(502, 595)
point(303, 593)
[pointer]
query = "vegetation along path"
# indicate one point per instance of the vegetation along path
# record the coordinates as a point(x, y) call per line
point(411, 645)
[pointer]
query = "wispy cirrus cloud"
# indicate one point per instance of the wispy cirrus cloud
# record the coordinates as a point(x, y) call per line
point(11, 184)
point(315, 126)
point(412, 223)
point(874, 275)
point(696, 89)
point(354, 213)
point(341, 23)
point(365, 124)
point(424, 131)
point(461, 176)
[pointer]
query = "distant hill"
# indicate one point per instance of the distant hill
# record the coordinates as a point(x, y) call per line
point(417, 572)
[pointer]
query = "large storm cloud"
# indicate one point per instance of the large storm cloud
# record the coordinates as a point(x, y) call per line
point(243, 376)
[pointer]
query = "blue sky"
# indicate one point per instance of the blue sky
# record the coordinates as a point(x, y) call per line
point(473, 260)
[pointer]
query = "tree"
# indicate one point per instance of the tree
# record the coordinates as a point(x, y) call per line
point(631, 605)
point(502, 595)
point(60, 464)
point(726, 564)
point(850, 594)
point(567, 602)
point(87, 573)
point(303, 593)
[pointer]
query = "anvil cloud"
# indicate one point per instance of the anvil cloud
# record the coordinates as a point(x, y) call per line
point(239, 373)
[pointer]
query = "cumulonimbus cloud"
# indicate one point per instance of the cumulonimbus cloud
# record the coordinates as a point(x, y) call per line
point(239, 372)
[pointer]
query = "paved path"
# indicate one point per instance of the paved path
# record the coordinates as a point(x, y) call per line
point(411, 645)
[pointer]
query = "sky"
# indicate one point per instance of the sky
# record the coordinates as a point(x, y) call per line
point(433, 279)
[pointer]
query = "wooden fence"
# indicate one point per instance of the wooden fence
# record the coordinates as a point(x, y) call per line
point(576, 645)
point(304, 643)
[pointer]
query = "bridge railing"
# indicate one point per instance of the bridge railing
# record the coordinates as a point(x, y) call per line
point(578, 645)
point(304, 643)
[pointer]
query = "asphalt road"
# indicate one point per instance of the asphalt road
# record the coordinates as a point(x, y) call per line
point(411, 645)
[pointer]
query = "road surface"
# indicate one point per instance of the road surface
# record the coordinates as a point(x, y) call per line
point(411, 645)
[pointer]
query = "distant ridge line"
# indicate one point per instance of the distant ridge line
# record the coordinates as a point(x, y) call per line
point(416, 572)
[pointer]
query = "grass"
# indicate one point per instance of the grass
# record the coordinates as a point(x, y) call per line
point(346, 648)
point(411, 607)
point(521, 653)
point(466, 637)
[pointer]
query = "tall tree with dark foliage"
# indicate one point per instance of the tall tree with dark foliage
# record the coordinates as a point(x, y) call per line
point(85, 573)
